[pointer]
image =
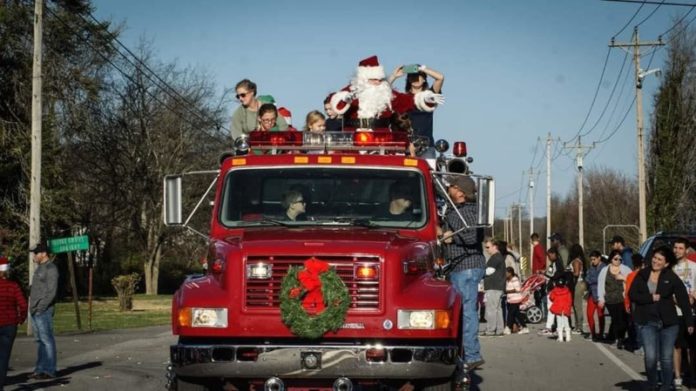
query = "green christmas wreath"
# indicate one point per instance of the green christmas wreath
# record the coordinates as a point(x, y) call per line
point(313, 299)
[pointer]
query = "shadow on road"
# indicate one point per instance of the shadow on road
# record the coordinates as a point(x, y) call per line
point(632, 385)
point(62, 377)
point(476, 381)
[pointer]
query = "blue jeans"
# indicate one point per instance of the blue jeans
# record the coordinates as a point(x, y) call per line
point(658, 341)
point(7, 337)
point(466, 284)
point(42, 324)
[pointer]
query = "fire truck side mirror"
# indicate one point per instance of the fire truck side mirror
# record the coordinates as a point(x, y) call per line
point(485, 200)
point(172, 200)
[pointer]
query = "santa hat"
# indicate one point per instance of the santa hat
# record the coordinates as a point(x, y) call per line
point(285, 113)
point(369, 68)
point(4, 263)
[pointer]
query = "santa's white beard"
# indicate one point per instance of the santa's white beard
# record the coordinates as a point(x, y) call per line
point(373, 99)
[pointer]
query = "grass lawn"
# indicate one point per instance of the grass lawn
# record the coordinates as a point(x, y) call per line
point(147, 311)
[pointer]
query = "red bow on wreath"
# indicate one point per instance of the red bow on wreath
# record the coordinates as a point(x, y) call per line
point(313, 301)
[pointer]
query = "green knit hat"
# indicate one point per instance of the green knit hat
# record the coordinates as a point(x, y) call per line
point(266, 99)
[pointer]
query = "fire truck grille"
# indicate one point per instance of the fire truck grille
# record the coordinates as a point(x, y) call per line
point(266, 293)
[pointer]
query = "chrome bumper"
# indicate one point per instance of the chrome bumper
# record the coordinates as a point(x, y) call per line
point(233, 361)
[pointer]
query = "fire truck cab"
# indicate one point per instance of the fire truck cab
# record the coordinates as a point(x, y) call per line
point(403, 321)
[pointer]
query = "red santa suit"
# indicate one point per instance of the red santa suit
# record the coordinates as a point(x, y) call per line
point(369, 106)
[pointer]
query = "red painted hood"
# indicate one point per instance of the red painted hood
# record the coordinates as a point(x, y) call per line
point(322, 240)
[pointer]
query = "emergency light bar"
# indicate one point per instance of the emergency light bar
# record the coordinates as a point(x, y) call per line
point(294, 140)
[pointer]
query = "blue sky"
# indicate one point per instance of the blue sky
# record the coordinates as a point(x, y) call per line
point(514, 70)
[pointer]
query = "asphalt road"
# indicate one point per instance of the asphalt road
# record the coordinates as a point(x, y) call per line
point(132, 359)
point(136, 359)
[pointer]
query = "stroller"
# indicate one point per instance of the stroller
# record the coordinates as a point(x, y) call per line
point(530, 310)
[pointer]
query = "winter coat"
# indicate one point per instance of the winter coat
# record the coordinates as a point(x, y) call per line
point(561, 301)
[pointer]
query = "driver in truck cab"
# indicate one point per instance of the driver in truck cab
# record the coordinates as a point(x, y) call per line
point(294, 205)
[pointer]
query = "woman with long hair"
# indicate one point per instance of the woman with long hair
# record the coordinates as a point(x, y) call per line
point(610, 288)
point(244, 118)
point(654, 292)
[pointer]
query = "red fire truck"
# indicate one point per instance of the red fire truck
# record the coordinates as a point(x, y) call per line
point(289, 204)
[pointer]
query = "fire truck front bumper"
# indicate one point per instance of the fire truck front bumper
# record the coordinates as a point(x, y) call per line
point(314, 361)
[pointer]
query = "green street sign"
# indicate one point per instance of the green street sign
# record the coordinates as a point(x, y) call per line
point(64, 245)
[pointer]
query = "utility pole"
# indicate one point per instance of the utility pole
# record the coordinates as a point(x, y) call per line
point(548, 189)
point(519, 227)
point(639, 75)
point(531, 212)
point(580, 153)
point(36, 110)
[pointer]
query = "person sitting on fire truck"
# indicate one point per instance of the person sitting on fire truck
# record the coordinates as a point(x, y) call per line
point(294, 204)
point(369, 101)
point(400, 203)
point(268, 115)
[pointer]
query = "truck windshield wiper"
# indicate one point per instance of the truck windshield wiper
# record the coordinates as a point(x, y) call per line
point(268, 221)
point(362, 222)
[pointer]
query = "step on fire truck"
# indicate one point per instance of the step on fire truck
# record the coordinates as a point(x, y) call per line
point(385, 315)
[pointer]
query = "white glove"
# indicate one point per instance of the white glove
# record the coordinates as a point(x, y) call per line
point(490, 270)
point(437, 99)
point(422, 68)
point(349, 97)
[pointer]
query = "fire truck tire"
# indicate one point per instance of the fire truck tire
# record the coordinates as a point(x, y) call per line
point(447, 386)
point(185, 384)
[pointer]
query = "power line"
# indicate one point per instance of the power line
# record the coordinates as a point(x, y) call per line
point(650, 14)
point(611, 95)
point(653, 2)
point(678, 23)
point(599, 84)
point(630, 20)
point(126, 75)
point(652, 57)
point(144, 65)
point(616, 105)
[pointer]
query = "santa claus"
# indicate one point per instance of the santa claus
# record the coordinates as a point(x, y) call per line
point(369, 101)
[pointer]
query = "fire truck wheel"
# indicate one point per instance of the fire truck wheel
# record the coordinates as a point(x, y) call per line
point(449, 385)
point(186, 384)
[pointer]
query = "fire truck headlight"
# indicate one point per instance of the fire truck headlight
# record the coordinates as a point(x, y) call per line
point(209, 317)
point(259, 271)
point(422, 319)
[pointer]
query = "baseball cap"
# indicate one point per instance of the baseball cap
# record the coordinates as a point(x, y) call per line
point(464, 183)
point(4, 263)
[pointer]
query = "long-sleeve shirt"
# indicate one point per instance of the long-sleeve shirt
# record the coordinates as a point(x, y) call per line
point(602, 280)
point(538, 258)
point(513, 289)
point(245, 121)
point(466, 245)
point(592, 279)
point(44, 286)
point(13, 306)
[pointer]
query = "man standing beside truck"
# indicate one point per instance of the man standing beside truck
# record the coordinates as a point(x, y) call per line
point(463, 249)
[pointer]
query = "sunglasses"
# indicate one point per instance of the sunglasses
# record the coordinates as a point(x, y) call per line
point(242, 95)
point(300, 202)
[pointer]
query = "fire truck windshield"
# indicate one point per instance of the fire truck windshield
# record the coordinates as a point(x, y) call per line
point(300, 196)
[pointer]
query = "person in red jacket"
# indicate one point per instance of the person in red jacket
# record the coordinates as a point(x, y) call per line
point(562, 307)
point(13, 311)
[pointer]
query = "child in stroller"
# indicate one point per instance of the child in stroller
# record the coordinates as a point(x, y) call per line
point(532, 284)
